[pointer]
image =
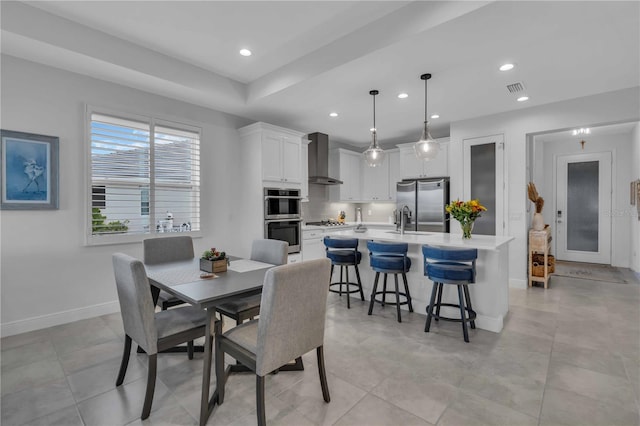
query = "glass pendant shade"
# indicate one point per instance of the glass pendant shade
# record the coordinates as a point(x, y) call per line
point(374, 155)
point(426, 148)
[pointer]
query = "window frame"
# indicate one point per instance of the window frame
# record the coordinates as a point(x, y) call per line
point(178, 124)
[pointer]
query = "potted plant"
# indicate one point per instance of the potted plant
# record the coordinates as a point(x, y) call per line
point(466, 212)
point(214, 261)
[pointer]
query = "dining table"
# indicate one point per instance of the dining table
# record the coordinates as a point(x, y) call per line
point(183, 280)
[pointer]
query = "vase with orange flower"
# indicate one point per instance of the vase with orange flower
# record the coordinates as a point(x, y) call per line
point(465, 212)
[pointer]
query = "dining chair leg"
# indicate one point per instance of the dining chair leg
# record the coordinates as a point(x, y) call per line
point(125, 360)
point(434, 290)
point(323, 374)
point(262, 419)
point(190, 349)
point(395, 276)
point(373, 293)
point(151, 386)
point(220, 376)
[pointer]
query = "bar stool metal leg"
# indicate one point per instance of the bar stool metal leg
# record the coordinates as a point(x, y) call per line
point(384, 290)
point(359, 282)
point(346, 271)
point(373, 293)
point(395, 276)
point(406, 289)
point(440, 288)
point(462, 314)
point(434, 290)
point(468, 301)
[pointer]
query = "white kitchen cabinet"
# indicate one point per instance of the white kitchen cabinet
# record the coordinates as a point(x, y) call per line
point(375, 181)
point(394, 172)
point(412, 167)
point(294, 258)
point(312, 245)
point(281, 159)
point(347, 165)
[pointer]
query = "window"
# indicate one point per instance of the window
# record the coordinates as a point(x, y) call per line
point(145, 177)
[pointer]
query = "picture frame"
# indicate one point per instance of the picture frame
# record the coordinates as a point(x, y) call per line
point(28, 171)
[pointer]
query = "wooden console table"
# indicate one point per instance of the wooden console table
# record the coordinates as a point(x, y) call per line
point(539, 242)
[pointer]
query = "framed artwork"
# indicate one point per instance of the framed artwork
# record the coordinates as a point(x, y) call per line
point(29, 171)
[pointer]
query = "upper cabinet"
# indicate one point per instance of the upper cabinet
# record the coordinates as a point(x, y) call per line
point(376, 182)
point(347, 165)
point(280, 155)
point(412, 167)
point(394, 172)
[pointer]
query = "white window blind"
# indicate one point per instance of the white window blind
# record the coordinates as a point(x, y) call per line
point(145, 176)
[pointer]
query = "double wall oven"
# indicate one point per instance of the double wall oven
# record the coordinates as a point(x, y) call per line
point(283, 216)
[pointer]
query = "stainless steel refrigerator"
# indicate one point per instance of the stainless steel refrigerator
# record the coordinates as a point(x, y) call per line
point(426, 200)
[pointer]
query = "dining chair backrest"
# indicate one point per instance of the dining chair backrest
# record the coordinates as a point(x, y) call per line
point(136, 304)
point(292, 316)
point(170, 249)
point(275, 252)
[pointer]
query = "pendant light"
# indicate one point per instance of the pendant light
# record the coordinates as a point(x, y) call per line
point(374, 155)
point(426, 148)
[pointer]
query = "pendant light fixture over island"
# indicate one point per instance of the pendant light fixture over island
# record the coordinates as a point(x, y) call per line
point(426, 148)
point(374, 155)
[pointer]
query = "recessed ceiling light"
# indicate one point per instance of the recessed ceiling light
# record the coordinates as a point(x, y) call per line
point(435, 116)
point(523, 98)
point(333, 114)
point(245, 52)
point(506, 67)
point(403, 95)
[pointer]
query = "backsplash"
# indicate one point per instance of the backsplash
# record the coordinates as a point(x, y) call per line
point(320, 207)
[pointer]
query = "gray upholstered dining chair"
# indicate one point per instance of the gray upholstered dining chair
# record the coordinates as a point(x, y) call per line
point(152, 331)
point(162, 250)
point(246, 307)
point(291, 323)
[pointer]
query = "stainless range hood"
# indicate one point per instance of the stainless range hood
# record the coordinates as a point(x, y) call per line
point(319, 160)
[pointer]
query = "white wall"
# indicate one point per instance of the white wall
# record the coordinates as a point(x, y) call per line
point(48, 275)
point(620, 147)
point(634, 219)
point(623, 105)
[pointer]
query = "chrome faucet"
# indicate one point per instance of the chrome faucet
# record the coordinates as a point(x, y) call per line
point(402, 217)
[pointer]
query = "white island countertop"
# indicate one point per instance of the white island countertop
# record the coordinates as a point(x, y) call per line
point(480, 242)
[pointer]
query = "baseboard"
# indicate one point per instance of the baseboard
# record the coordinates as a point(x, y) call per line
point(494, 324)
point(64, 317)
point(517, 283)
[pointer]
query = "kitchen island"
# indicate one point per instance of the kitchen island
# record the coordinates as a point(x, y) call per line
point(490, 293)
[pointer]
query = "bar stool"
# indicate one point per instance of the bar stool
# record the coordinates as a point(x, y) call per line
point(450, 266)
point(343, 252)
point(390, 258)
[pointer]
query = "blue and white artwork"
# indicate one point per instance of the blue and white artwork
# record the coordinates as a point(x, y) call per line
point(27, 173)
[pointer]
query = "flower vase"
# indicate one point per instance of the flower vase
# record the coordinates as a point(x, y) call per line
point(538, 222)
point(467, 227)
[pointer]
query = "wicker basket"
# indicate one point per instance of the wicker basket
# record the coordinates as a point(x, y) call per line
point(537, 267)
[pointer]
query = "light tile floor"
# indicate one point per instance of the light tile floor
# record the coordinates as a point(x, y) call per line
point(569, 355)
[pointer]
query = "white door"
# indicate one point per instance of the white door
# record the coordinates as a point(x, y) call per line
point(484, 180)
point(583, 206)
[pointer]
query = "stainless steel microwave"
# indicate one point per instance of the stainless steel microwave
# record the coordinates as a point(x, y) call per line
point(282, 203)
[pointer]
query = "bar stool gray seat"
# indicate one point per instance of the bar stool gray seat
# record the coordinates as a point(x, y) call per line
point(152, 331)
point(390, 258)
point(455, 267)
point(291, 323)
point(343, 252)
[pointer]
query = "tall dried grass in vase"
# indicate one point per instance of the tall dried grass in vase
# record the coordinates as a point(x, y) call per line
point(538, 220)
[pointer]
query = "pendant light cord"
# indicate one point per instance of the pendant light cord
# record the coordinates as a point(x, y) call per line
point(374, 114)
point(425, 100)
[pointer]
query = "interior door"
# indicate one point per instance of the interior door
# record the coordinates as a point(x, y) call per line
point(583, 203)
point(484, 180)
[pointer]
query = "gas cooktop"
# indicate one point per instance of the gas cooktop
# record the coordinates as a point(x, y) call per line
point(329, 222)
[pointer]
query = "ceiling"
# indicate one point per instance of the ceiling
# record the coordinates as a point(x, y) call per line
point(311, 58)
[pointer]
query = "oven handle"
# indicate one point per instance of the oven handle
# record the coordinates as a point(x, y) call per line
point(282, 197)
point(282, 220)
